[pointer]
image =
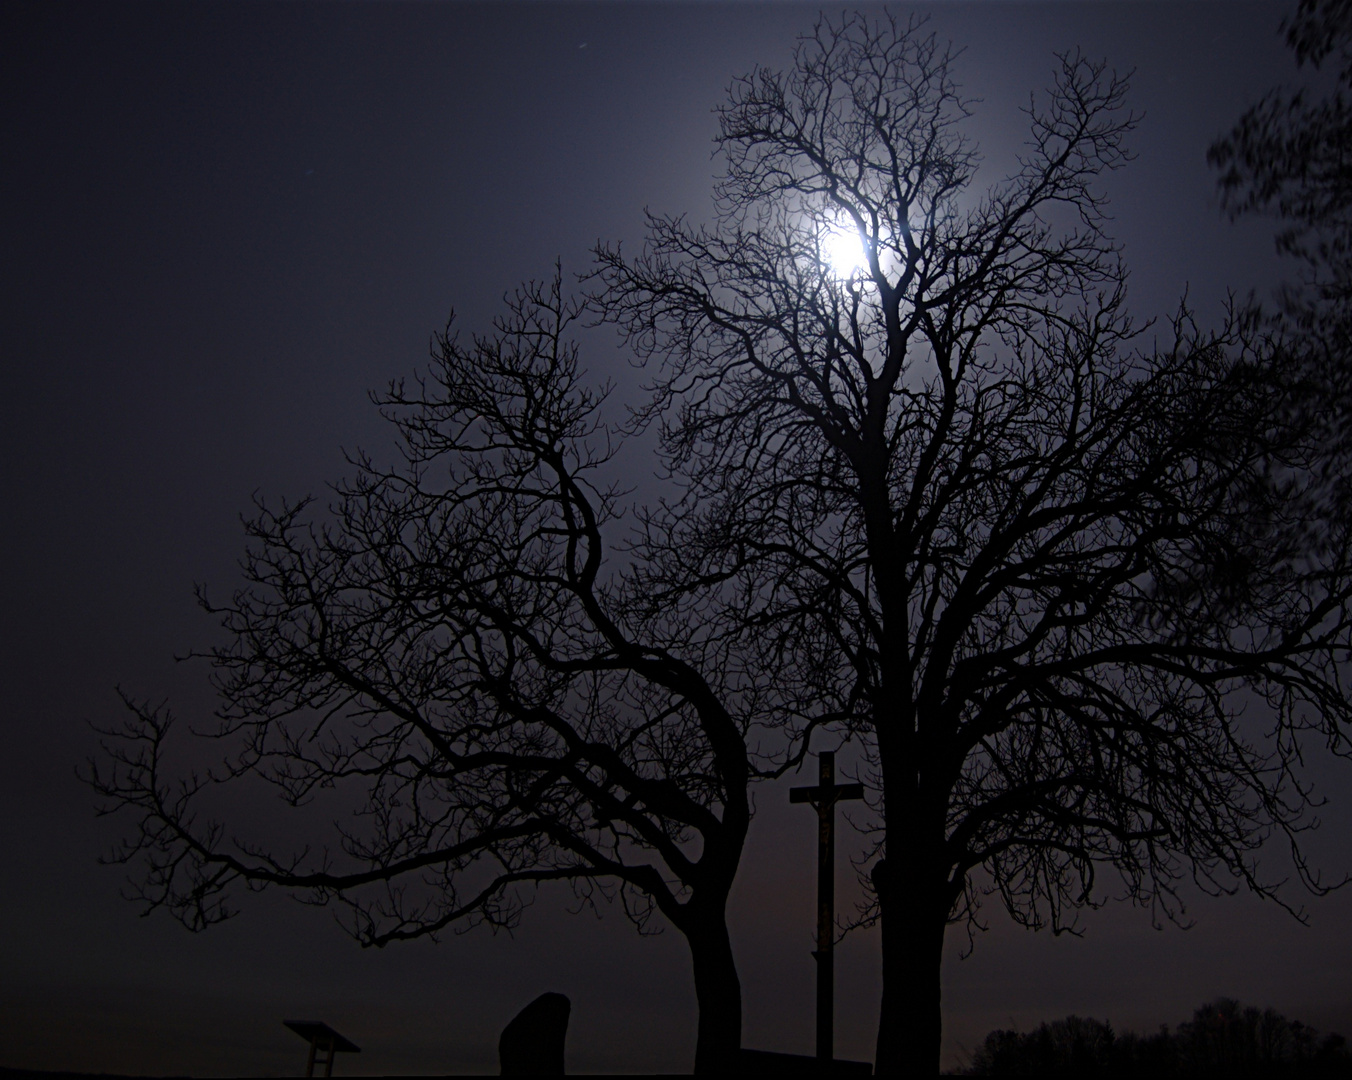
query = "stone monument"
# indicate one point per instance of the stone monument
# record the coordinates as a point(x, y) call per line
point(532, 1044)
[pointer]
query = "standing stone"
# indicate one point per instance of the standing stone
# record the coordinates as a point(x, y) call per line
point(532, 1044)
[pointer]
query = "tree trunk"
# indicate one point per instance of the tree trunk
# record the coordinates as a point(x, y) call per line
point(910, 1023)
point(718, 991)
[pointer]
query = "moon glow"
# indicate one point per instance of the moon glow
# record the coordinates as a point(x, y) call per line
point(844, 252)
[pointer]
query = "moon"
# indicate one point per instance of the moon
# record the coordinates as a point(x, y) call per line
point(844, 252)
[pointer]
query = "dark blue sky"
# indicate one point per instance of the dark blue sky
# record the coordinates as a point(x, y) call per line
point(222, 224)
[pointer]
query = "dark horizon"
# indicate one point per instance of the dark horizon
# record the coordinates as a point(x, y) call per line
point(226, 224)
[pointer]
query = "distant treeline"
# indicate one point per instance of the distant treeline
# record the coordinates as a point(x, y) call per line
point(1223, 1038)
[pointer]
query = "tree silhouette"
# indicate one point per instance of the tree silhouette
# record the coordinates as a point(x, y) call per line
point(1043, 572)
point(1223, 1038)
point(1286, 158)
point(461, 651)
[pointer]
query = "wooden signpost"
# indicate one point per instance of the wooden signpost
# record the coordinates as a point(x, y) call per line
point(824, 797)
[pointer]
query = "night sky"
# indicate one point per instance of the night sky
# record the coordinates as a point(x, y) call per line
point(224, 224)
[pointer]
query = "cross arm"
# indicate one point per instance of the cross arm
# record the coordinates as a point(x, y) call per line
point(832, 793)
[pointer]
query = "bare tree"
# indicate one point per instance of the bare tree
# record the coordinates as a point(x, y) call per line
point(460, 651)
point(1043, 573)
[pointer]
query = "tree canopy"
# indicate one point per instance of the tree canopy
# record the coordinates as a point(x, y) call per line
point(460, 648)
point(1047, 565)
point(1080, 596)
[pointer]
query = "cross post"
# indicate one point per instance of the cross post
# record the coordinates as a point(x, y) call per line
point(824, 797)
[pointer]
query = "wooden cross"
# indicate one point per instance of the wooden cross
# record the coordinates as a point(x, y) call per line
point(824, 797)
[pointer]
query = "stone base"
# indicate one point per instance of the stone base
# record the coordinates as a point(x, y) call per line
point(769, 1063)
